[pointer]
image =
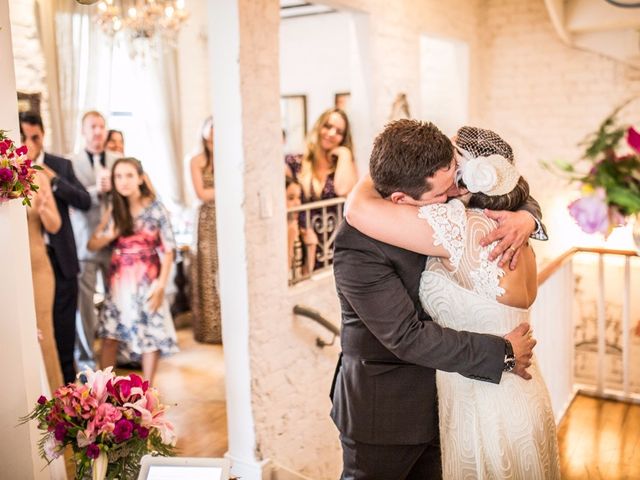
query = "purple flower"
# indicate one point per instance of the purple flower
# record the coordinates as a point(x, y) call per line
point(60, 432)
point(42, 400)
point(93, 451)
point(6, 175)
point(591, 213)
point(123, 430)
point(142, 432)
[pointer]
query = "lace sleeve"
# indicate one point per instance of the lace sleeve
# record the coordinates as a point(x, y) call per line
point(449, 223)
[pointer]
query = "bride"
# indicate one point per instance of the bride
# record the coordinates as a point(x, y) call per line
point(486, 430)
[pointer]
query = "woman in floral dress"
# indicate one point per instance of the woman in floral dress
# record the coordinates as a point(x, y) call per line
point(136, 317)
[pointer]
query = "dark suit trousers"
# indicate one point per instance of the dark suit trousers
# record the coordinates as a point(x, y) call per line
point(64, 318)
point(363, 461)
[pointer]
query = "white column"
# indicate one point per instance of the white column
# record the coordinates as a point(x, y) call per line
point(19, 355)
point(249, 181)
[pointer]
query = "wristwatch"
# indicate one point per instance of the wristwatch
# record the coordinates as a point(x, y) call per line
point(509, 357)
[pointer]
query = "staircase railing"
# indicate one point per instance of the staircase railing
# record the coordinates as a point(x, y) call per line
point(554, 311)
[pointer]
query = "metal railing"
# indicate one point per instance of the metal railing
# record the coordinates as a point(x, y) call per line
point(323, 217)
point(316, 316)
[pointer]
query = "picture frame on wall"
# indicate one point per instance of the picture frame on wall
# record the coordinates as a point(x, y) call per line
point(29, 102)
point(341, 101)
point(293, 110)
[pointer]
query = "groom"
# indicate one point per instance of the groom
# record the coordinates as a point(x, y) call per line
point(384, 390)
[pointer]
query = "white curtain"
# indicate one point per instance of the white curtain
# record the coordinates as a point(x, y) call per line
point(90, 71)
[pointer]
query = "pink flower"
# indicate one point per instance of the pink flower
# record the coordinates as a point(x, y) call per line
point(633, 139)
point(591, 213)
point(97, 382)
point(127, 389)
point(106, 417)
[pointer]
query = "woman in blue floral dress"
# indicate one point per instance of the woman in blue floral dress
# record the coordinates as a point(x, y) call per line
point(136, 317)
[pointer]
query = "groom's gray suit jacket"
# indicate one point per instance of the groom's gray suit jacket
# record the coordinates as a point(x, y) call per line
point(384, 389)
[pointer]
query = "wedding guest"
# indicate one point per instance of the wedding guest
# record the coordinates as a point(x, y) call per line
point(298, 257)
point(92, 166)
point(326, 169)
point(115, 142)
point(61, 246)
point(136, 316)
point(205, 303)
point(43, 217)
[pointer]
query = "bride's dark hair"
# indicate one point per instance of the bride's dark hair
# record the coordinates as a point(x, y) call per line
point(483, 143)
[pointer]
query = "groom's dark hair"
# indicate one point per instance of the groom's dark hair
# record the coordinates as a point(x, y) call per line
point(405, 154)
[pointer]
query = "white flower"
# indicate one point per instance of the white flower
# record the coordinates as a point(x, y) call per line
point(99, 467)
point(52, 448)
point(479, 175)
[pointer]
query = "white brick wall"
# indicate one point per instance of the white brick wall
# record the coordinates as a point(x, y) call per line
point(544, 98)
point(28, 57)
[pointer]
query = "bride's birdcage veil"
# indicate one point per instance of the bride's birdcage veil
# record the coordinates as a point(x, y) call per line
point(482, 143)
point(485, 162)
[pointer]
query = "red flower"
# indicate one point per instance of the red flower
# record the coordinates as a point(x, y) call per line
point(123, 430)
point(4, 146)
point(22, 150)
point(633, 139)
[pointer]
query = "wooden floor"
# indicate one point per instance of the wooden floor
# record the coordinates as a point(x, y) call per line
point(192, 382)
point(600, 439)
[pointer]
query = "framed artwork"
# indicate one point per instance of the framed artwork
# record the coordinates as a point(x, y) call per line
point(293, 109)
point(29, 102)
point(342, 101)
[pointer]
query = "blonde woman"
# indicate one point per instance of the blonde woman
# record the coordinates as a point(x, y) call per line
point(326, 170)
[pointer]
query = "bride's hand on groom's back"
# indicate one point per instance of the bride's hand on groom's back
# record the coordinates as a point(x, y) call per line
point(522, 342)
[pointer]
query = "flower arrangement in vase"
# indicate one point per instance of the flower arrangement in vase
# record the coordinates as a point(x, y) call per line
point(610, 185)
point(110, 422)
point(17, 174)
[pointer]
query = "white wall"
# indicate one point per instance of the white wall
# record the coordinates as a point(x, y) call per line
point(444, 82)
point(315, 60)
point(19, 353)
point(544, 98)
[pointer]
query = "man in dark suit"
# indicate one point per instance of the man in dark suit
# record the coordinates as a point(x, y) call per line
point(61, 247)
point(384, 391)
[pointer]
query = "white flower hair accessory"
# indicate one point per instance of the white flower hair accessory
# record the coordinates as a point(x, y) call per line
point(492, 175)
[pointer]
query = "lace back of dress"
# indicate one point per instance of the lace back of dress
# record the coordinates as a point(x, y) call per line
point(468, 265)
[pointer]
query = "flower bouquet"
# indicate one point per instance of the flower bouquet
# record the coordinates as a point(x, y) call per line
point(610, 186)
point(109, 421)
point(17, 175)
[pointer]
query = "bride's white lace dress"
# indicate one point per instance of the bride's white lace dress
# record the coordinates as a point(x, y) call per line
point(487, 431)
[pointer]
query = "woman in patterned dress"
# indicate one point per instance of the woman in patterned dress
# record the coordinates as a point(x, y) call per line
point(136, 318)
point(205, 302)
point(326, 170)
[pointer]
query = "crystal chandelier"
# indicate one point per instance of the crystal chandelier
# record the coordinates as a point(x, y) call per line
point(142, 20)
